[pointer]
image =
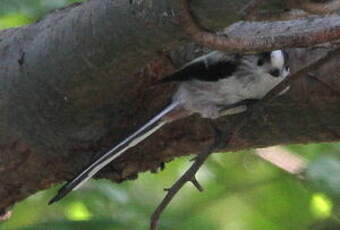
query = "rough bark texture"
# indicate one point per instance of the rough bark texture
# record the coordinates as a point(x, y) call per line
point(69, 91)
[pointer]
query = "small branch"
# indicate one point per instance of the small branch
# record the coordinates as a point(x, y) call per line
point(197, 185)
point(189, 175)
point(306, 32)
point(171, 192)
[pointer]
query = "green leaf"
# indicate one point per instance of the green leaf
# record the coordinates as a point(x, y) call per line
point(14, 20)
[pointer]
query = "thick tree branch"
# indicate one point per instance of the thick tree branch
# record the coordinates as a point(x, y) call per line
point(62, 83)
point(306, 32)
point(68, 92)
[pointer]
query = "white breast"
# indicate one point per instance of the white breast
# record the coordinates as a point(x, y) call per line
point(277, 59)
point(206, 98)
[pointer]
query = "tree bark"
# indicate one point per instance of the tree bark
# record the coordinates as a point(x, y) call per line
point(69, 91)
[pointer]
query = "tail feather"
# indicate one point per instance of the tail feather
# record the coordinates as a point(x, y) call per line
point(141, 134)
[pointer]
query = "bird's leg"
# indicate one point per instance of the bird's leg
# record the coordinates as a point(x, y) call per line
point(238, 107)
point(234, 110)
point(284, 91)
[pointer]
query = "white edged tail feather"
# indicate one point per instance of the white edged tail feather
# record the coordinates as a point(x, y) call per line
point(141, 134)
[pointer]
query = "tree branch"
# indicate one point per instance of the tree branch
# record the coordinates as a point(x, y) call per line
point(189, 175)
point(68, 92)
point(306, 32)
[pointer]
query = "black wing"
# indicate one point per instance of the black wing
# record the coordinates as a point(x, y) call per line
point(205, 69)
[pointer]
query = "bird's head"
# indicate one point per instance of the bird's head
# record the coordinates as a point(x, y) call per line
point(274, 63)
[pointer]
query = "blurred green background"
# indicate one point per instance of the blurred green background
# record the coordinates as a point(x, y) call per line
point(242, 191)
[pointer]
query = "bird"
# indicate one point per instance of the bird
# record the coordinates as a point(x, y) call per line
point(214, 85)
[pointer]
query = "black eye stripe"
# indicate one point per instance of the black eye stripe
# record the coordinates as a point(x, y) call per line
point(260, 62)
point(263, 58)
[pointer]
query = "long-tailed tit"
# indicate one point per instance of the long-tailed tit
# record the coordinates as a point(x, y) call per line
point(213, 85)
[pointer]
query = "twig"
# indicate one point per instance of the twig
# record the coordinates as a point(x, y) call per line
point(195, 182)
point(306, 33)
point(189, 175)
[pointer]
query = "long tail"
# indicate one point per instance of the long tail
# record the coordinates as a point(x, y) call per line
point(146, 130)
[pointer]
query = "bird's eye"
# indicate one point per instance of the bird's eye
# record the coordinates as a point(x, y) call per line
point(275, 72)
point(260, 62)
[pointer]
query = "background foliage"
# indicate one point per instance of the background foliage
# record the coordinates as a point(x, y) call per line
point(242, 192)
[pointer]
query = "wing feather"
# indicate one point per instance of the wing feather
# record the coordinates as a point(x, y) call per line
point(212, 67)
